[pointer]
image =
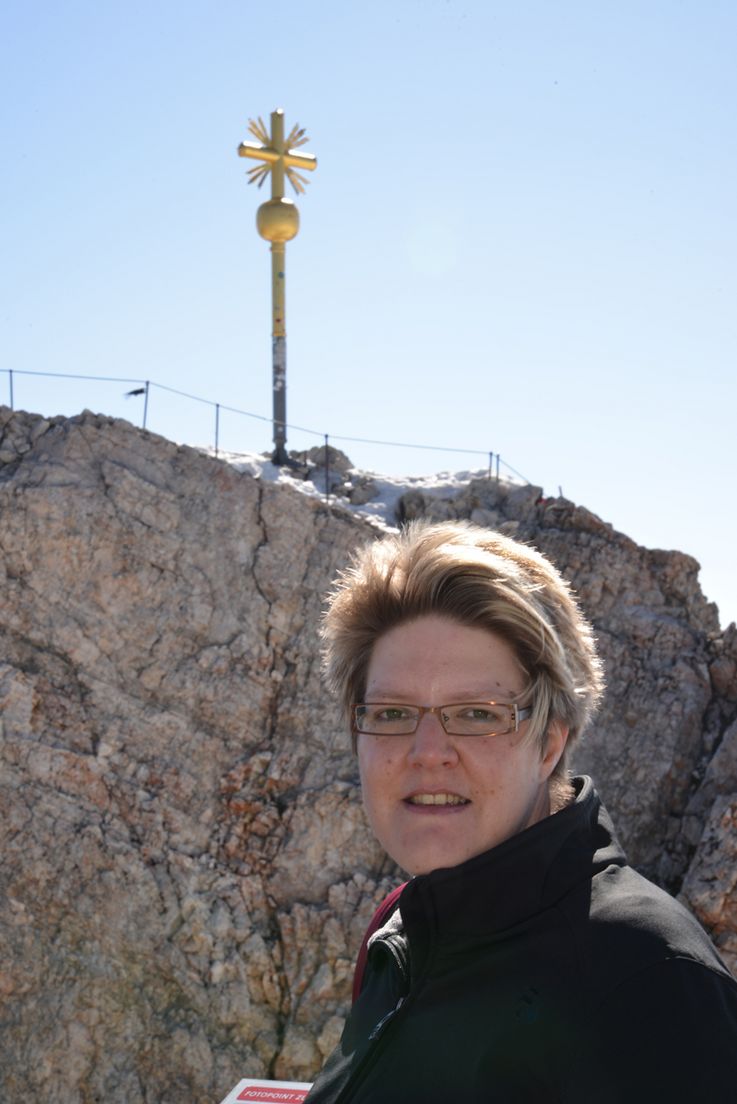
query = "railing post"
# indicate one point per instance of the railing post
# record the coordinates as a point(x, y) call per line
point(217, 427)
point(327, 470)
point(10, 374)
point(145, 405)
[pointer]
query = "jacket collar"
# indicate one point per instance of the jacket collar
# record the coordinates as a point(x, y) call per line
point(516, 879)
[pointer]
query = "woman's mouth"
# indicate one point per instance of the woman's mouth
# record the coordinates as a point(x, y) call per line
point(436, 799)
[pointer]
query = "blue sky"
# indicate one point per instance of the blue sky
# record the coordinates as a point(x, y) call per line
point(520, 236)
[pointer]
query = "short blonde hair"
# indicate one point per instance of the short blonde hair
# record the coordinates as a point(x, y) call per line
point(479, 578)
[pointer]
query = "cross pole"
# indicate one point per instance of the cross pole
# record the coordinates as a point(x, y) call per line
point(277, 221)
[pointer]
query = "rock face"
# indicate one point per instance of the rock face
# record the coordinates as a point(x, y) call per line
point(186, 870)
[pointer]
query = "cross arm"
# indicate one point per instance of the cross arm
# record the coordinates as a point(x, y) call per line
point(292, 159)
point(300, 160)
point(258, 153)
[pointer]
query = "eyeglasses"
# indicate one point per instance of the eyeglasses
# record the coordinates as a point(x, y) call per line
point(487, 718)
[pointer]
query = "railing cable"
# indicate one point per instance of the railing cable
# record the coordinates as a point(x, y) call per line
point(144, 388)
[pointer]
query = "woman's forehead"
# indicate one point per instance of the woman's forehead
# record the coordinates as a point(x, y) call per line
point(442, 656)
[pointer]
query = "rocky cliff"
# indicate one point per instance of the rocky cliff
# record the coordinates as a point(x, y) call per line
point(186, 870)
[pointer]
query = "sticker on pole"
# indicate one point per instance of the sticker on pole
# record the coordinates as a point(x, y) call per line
point(268, 1092)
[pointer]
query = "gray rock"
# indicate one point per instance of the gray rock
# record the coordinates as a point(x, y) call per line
point(187, 871)
point(362, 491)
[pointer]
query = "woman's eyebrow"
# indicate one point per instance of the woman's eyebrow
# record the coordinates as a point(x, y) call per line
point(501, 694)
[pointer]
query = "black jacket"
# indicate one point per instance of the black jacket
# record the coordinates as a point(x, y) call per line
point(545, 970)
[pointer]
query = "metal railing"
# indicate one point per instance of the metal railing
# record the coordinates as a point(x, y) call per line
point(145, 387)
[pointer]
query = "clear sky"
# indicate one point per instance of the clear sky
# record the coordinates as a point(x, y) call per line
point(520, 236)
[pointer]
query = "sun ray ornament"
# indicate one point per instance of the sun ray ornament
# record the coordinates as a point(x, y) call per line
point(277, 220)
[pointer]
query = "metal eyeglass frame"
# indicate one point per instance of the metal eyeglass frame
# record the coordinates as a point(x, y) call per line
point(516, 715)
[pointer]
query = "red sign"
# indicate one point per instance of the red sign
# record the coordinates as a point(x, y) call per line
point(273, 1095)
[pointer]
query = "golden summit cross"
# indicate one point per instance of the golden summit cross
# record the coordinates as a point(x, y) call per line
point(277, 221)
point(279, 156)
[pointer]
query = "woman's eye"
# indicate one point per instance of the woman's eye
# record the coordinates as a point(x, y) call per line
point(390, 713)
point(483, 714)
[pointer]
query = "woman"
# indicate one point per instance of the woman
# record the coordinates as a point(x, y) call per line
point(525, 961)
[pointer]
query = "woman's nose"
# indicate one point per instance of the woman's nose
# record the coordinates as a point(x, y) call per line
point(431, 744)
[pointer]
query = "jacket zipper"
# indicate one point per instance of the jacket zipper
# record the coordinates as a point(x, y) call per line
point(385, 1020)
point(378, 1033)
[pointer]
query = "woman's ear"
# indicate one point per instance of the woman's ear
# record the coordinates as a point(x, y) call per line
point(555, 744)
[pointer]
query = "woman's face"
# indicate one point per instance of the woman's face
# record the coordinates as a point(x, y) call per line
point(412, 784)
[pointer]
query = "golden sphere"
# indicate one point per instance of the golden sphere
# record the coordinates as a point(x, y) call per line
point(277, 220)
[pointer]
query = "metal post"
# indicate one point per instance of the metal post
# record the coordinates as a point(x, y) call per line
point(145, 405)
point(279, 351)
point(497, 467)
point(10, 373)
point(217, 426)
point(277, 221)
point(279, 386)
point(491, 458)
point(327, 470)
